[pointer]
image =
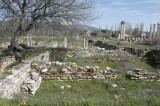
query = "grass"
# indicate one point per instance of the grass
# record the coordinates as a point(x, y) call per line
point(122, 43)
point(34, 52)
point(39, 38)
point(95, 92)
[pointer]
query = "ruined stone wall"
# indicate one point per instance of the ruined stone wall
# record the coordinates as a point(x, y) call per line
point(10, 85)
point(106, 45)
point(130, 50)
point(71, 72)
point(140, 74)
point(134, 51)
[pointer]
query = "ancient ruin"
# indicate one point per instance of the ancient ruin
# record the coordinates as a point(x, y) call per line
point(123, 26)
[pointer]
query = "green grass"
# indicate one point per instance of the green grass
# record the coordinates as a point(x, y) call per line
point(95, 92)
point(39, 38)
point(123, 43)
point(35, 52)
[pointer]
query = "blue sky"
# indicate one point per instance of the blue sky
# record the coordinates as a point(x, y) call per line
point(132, 11)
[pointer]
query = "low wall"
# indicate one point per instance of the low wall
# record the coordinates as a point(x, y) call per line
point(70, 72)
point(130, 50)
point(143, 74)
point(106, 45)
point(12, 83)
point(135, 51)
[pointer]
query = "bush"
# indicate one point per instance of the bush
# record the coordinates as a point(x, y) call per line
point(153, 58)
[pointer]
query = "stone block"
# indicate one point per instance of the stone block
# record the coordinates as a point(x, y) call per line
point(92, 70)
point(53, 78)
point(80, 79)
point(64, 78)
point(35, 76)
point(47, 77)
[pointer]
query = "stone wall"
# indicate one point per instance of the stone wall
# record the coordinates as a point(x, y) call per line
point(91, 53)
point(71, 72)
point(11, 84)
point(130, 50)
point(108, 60)
point(106, 45)
point(143, 74)
point(134, 51)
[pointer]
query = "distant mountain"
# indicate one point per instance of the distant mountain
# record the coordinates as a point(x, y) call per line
point(86, 27)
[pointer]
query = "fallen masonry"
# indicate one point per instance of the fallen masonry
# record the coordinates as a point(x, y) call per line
point(31, 84)
point(139, 74)
point(71, 72)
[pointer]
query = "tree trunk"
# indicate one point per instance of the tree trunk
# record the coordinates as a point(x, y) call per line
point(14, 40)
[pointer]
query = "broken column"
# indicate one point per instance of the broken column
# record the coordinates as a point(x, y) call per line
point(150, 32)
point(154, 31)
point(84, 43)
point(65, 42)
point(158, 30)
point(100, 29)
point(30, 40)
point(77, 35)
point(123, 24)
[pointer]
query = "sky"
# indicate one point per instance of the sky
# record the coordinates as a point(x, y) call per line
point(112, 12)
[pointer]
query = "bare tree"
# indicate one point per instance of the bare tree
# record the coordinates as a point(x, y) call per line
point(61, 12)
point(129, 28)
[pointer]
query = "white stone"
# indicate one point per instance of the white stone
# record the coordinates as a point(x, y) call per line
point(97, 67)
point(108, 68)
point(35, 77)
point(101, 71)
point(31, 82)
point(114, 85)
point(103, 49)
point(49, 63)
point(68, 86)
point(44, 70)
point(40, 79)
point(57, 63)
point(87, 67)
point(10, 76)
point(60, 64)
point(123, 89)
point(95, 77)
point(64, 70)
point(61, 87)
